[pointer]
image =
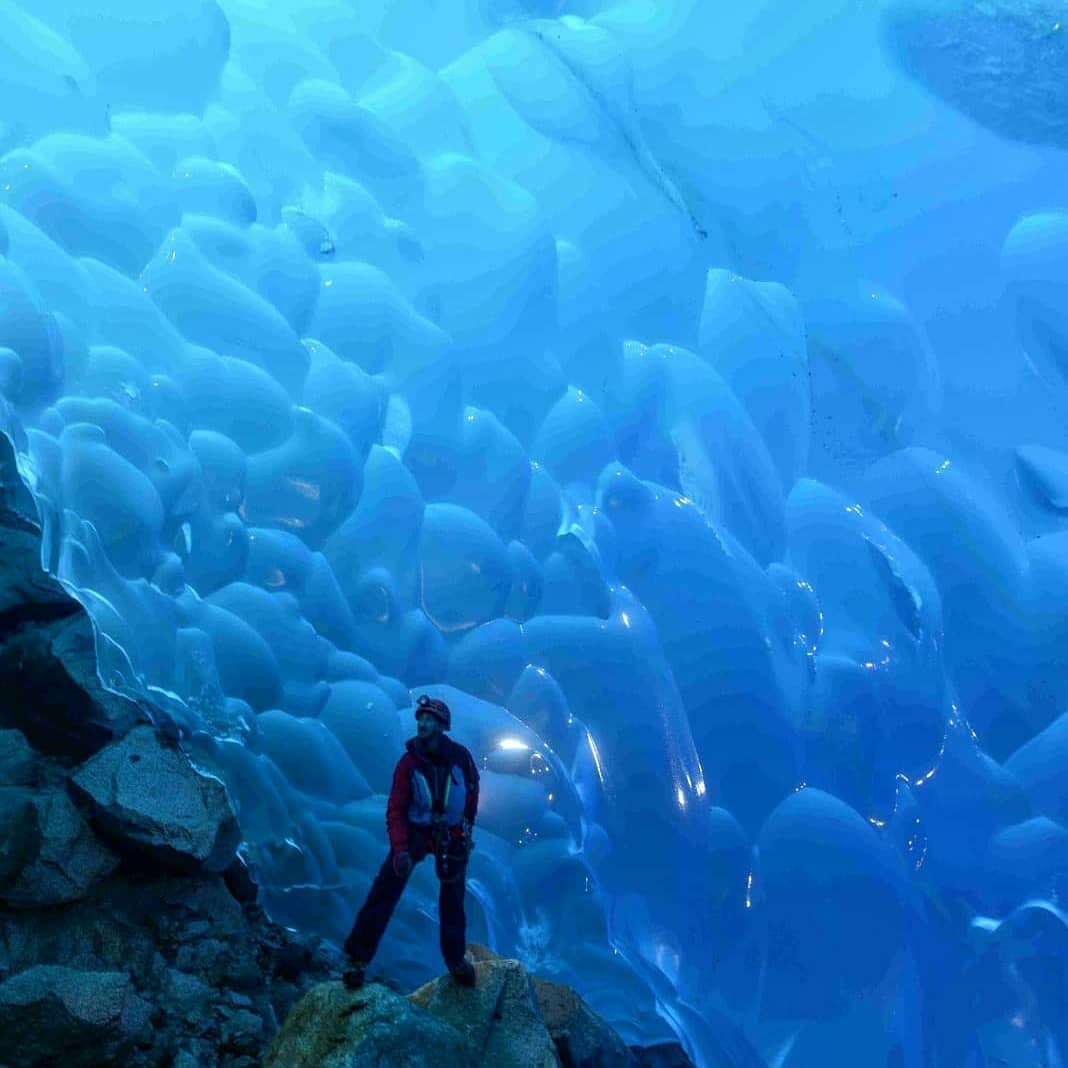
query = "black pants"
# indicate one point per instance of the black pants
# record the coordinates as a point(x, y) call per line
point(386, 891)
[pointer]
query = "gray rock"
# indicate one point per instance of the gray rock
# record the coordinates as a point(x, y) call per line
point(241, 1032)
point(147, 794)
point(582, 1038)
point(499, 1016)
point(663, 1055)
point(186, 996)
point(1001, 62)
point(27, 591)
point(50, 1014)
point(53, 694)
point(20, 832)
point(68, 861)
point(332, 1027)
point(19, 764)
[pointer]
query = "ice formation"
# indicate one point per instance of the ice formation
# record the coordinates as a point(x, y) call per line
point(676, 390)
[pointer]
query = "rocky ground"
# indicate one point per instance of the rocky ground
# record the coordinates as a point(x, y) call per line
point(129, 929)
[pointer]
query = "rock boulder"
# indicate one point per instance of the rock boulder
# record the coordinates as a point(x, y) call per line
point(92, 1017)
point(144, 792)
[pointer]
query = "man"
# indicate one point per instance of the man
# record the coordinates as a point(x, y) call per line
point(431, 809)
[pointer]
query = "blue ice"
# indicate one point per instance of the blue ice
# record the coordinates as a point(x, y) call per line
point(676, 391)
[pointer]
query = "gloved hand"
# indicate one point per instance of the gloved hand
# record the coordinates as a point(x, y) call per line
point(402, 864)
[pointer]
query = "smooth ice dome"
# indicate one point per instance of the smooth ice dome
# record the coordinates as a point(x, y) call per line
point(677, 392)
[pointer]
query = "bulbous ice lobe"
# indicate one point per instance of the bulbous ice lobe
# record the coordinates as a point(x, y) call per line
point(349, 369)
point(1035, 274)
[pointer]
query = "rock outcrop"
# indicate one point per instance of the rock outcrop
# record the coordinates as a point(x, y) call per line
point(509, 1019)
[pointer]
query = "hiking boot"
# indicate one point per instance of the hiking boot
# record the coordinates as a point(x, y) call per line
point(463, 973)
point(353, 975)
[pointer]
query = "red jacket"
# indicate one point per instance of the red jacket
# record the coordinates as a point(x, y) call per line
point(419, 782)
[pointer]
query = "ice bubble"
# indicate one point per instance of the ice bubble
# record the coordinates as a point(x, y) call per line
point(720, 461)
point(222, 465)
point(843, 751)
point(363, 318)
point(365, 722)
point(283, 274)
point(246, 665)
point(415, 103)
point(213, 309)
point(875, 383)
point(538, 702)
point(253, 135)
point(60, 279)
point(1044, 472)
point(982, 570)
point(121, 203)
point(234, 398)
point(10, 374)
point(352, 139)
point(493, 472)
point(255, 787)
point(487, 660)
point(1048, 627)
point(343, 665)
point(1036, 284)
point(277, 560)
point(127, 319)
point(129, 46)
point(752, 333)
point(383, 530)
point(403, 642)
point(352, 219)
point(342, 392)
point(509, 806)
point(155, 449)
point(1040, 766)
point(300, 652)
point(499, 285)
point(543, 513)
point(308, 485)
point(834, 906)
point(163, 137)
point(324, 605)
point(112, 494)
point(114, 375)
point(964, 799)
point(574, 441)
point(880, 609)
point(527, 583)
point(683, 568)
point(1028, 860)
point(45, 82)
point(463, 567)
point(572, 581)
point(28, 329)
point(205, 187)
point(213, 548)
point(273, 51)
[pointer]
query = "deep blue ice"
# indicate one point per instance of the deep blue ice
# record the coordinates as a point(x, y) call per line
point(675, 387)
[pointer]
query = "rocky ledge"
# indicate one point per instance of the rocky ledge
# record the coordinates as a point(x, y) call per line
point(129, 928)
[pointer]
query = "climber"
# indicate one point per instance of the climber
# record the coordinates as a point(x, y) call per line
point(431, 809)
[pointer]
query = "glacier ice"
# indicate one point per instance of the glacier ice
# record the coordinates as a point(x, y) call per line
point(575, 362)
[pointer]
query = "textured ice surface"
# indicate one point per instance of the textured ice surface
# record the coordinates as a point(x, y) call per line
point(676, 391)
point(996, 60)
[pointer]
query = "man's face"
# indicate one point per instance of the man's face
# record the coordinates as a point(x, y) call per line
point(428, 726)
